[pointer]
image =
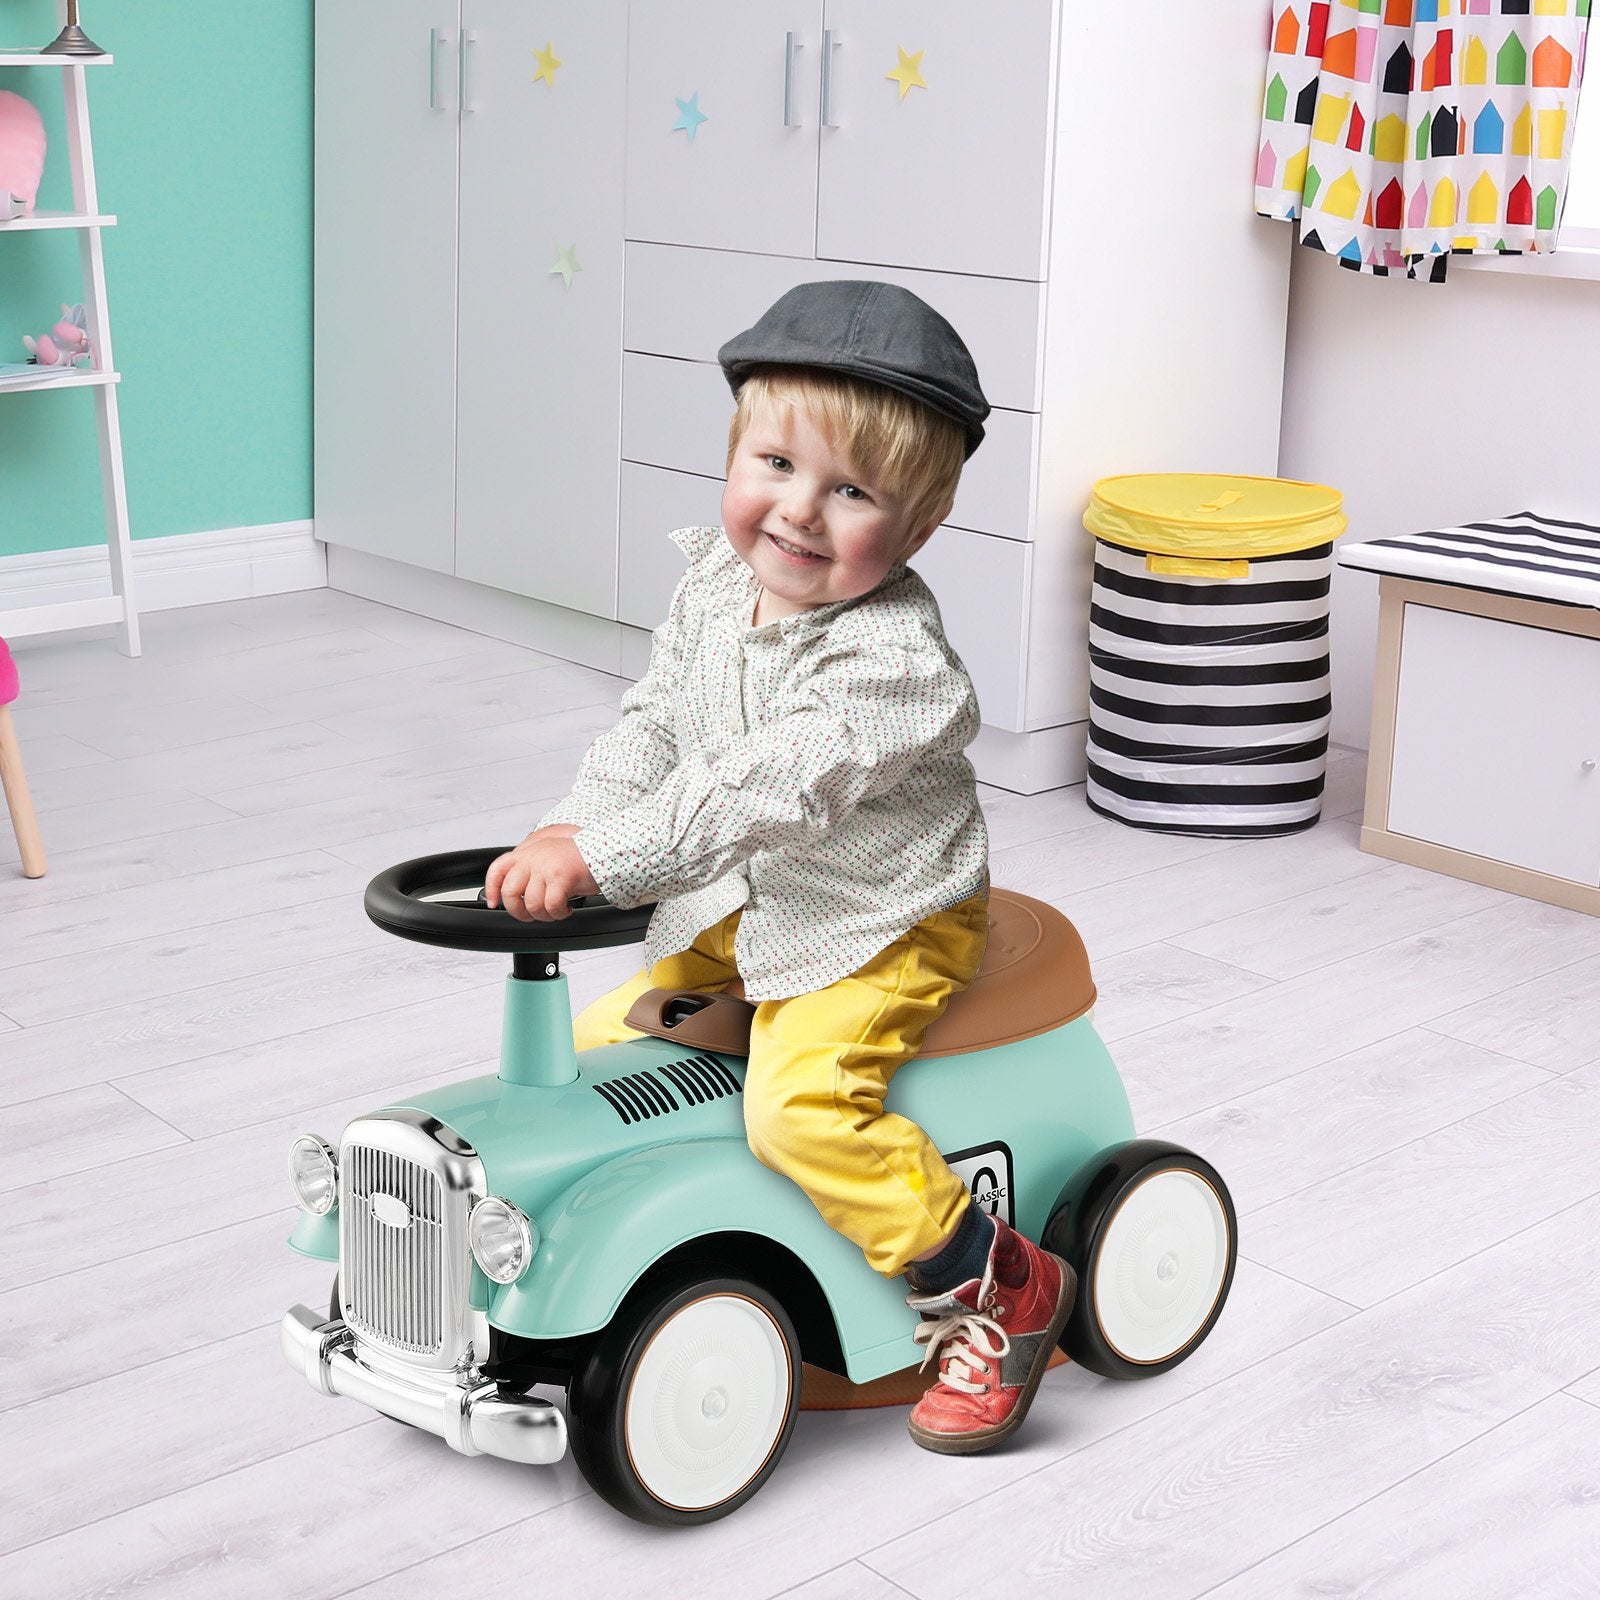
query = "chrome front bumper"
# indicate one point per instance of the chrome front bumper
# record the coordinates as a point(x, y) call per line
point(476, 1419)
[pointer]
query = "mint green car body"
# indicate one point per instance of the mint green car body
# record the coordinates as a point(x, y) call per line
point(614, 1190)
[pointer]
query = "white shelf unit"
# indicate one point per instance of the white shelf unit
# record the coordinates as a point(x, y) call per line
point(87, 220)
point(84, 379)
point(53, 219)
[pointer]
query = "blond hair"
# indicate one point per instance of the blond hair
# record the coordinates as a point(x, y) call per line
point(912, 452)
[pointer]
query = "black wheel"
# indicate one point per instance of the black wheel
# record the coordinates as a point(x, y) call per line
point(688, 1399)
point(1151, 1231)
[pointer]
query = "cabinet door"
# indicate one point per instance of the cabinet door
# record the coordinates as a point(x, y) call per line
point(1493, 727)
point(746, 180)
point(384, 319)
point(952, 176)
point(539, 367)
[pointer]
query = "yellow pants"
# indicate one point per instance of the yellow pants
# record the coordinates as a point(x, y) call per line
point(820, 1066)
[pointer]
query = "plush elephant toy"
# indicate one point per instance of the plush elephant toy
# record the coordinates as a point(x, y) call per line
point(66, 344)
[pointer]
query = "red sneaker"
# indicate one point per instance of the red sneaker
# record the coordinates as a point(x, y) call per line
point(992, 1338)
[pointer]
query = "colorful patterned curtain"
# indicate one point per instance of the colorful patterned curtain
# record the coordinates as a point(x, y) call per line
point(1399, 131)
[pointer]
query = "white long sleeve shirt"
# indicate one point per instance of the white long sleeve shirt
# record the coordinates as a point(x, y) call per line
point(810, 770)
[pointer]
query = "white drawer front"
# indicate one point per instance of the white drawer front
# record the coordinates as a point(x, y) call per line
point(688, 303)
point(1493, 726)
point(654, 502)
point(981, 585)
point(675, 414)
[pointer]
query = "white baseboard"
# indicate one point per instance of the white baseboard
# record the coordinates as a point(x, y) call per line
point(597, 642)
point(184, 569)
point(1029, 763)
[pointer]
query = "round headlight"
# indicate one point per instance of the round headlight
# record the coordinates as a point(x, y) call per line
point(502, 1240)
point(314, 1172)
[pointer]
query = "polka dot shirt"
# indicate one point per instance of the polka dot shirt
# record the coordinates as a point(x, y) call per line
point(810, 771)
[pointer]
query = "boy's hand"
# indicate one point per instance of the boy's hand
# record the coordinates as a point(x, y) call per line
point(535, 881)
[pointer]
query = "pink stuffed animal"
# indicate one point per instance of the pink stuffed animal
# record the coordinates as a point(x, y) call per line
point(21, 153)
point(66, 344)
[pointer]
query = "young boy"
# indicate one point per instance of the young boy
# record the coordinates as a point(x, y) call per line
point(788, 782)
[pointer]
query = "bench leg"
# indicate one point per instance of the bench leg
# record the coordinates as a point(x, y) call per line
point(15, 783)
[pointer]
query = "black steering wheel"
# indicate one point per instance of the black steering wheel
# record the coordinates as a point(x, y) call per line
point(439, 900)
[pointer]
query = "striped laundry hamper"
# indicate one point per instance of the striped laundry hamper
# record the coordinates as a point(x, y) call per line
point(1209, 693)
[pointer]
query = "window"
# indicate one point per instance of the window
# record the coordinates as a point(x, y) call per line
point(1580, 217)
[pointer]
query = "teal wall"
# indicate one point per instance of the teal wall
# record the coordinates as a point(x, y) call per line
point(202, 133)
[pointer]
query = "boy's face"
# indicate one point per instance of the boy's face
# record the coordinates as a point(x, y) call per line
point(811, 528)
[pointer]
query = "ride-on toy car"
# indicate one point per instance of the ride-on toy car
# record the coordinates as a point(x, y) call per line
point(598, 1222)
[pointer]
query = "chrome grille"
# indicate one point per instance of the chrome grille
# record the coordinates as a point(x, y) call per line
point(395, 1293)
point(406, 1186)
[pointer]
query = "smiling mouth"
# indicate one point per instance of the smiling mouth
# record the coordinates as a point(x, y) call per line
point(794, 549)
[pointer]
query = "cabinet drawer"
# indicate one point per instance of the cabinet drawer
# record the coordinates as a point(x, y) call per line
point(654, 502)
point(688, 303)
point(1494, 723)
point(675, 414)
point(981, 584)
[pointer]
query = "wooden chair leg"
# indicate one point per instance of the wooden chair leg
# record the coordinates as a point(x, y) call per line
point(15, 783)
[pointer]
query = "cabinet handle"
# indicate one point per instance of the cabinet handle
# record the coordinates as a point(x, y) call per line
point(829, 40)
point(789, 48)
point(1588, 765)
point(435, 40)
point(467, 38)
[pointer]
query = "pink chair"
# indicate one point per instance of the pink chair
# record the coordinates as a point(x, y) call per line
point(12, 777)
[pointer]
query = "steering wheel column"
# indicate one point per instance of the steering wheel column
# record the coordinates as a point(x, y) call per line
point(439, 900)
point(536, 1047)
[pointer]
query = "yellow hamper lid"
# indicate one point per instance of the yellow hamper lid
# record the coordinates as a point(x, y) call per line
point(1213, 515)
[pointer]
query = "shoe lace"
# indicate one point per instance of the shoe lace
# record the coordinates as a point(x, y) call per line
point(964, 1343)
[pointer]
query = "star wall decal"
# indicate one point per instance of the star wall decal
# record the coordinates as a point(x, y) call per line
point(690, 116)
point(908, 71)
point(548, 65)
point(566, 262)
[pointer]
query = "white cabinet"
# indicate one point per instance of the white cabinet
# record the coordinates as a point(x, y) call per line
point(1063, 185)
point(1486, 740)
point(1010, 188)
point(466, 419)
point(808, 147)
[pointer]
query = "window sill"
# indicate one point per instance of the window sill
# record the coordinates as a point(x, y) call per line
point(1570, 261)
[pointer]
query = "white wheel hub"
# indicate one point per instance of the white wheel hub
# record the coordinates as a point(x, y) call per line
point(708, 1402)
point(1161, 1266)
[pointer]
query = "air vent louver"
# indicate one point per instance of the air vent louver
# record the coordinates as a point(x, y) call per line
point(638, 1096)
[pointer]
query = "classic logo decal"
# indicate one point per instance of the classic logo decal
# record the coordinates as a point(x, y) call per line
point(986, 1171)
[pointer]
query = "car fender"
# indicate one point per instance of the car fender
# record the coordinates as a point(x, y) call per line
point(601, 1235)
point(317, 1237)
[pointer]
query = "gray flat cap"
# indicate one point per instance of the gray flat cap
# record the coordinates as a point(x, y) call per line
point(876, 331)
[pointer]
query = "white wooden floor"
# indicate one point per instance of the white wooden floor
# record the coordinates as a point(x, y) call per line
point(1398, 1074)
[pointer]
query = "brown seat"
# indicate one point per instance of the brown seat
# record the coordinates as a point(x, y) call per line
point(1034, 977)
